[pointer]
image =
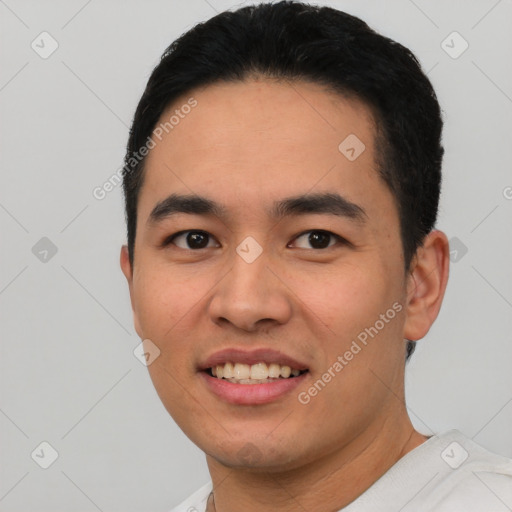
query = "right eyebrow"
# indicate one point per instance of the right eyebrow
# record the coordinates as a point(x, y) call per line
point(191, 204)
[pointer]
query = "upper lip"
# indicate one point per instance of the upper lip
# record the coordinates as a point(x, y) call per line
point(266, 355)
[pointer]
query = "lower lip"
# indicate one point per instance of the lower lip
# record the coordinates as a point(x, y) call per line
point(251, 394)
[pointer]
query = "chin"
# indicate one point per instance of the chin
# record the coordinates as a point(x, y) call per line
point(256, 456)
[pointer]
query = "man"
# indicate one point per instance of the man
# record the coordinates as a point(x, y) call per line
point(282, 182)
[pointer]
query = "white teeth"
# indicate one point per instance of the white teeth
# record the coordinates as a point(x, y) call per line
point(274, 371)
point(251, 381)
point(259, 371)
point(241, 371)
point(285, 371)
point(253, 374)
point(229, 371)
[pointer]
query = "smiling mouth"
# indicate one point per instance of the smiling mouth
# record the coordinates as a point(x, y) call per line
point(259, 373)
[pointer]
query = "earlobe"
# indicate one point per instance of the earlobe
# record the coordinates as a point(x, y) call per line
point(126, 267)
point(426, 285)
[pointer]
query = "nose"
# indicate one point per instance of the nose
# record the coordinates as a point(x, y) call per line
point(251, 296)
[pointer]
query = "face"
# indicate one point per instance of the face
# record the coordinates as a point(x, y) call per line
point(313, 278)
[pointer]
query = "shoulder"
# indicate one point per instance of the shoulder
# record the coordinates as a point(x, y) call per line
point(473, 479)
point(447, 473)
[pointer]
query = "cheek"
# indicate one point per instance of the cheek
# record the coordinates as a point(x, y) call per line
point(346, 298)
point(354, 304)
point(163, 297)
point(164, 303)
point(170, 306)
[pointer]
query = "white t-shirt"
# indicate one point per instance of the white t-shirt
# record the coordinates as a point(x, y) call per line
point(447, 473)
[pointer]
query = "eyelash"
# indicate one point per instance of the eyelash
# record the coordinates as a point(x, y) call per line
point(169, 240)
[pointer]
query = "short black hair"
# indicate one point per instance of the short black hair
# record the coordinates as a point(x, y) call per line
point(295, 41)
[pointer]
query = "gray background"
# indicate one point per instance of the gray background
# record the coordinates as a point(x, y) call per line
point(68, 373)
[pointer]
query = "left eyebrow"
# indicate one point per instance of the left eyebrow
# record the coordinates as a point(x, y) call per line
point(329, 203)
point(322, 203)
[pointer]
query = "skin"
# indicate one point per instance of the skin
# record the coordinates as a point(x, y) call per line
point(245, 145)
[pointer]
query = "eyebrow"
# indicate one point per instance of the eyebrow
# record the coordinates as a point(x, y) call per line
point(320, 203)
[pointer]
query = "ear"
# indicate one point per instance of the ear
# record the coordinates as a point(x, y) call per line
point(127, 269)
point(426, 284)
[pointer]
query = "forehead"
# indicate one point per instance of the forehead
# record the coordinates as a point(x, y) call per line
point(254, 142)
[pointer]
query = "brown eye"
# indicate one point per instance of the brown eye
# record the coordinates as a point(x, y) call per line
point(191, 240)
point(318, 239)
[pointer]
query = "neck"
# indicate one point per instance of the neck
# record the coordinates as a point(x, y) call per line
point(328, 483)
